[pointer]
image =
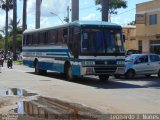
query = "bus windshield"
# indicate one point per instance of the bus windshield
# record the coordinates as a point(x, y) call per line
point(102, 41)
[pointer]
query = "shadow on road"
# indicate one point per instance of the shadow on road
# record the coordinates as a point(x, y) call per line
point(153, 82)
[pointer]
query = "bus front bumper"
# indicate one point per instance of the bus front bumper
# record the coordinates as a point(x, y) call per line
point(103, 70)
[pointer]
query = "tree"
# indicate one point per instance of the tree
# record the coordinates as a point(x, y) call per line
point(38, 13)
point(132, 23)
point(14, 28)
point(105, 8)
point(6, 5)
point(10, 28)
point(24, 15)
point(113, 5)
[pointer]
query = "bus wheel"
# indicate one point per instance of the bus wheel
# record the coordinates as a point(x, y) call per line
point(37, 68)
point(103, 78)
point(117, 76)
point(69, 73)
point(39, 71)
point(159, 74)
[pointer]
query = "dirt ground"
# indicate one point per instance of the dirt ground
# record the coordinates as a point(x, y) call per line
point(7, 104)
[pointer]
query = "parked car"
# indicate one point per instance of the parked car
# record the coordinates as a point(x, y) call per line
point(130, 52)
point(141, 64)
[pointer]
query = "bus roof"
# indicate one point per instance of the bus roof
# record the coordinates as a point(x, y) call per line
point(80, 24)
point(94, 23)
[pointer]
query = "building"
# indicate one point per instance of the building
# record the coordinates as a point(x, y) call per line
point(130, 37)
point(148, 26)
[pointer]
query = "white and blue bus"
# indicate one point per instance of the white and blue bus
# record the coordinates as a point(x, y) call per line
point(79, 48)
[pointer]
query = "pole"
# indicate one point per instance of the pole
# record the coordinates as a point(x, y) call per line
point(68, 14)
point(57, 16)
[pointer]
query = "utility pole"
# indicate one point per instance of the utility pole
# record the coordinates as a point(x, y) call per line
point(67, 18)
point(38, 13)
point(14, 43)
point(105, 10)
point(75, 10)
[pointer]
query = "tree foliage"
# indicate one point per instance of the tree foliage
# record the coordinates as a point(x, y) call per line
point(113, 5)
point(10, 37)
point(132, 23)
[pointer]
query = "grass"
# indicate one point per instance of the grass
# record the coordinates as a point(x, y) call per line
point(18, 62)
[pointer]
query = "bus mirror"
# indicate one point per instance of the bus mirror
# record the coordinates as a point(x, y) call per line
point(124, 38)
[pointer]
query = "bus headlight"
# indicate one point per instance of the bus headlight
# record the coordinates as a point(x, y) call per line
point(120, 62)
point(88, 63)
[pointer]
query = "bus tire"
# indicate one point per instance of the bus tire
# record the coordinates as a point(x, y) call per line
point(117, 76)
point(103, 78)
point(39, 71)
point(159, 73)
point(37, 68)
point(69, 74)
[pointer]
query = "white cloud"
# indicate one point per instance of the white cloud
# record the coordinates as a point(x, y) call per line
point(47, 6)
point(2, 18)
point(115, 20)
point(89, 17)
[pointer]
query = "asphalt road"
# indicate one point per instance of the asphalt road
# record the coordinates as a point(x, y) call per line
point(139, 95)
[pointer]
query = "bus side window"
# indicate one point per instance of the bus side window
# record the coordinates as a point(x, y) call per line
point(24, 40)
point(35, 39)
point(76, 41)
point(65, 35)
point(52, 36)
point(30, 39)
point(41, 38)
point(46, 37)
point(27, 40)
point(60, 36)
point(70, 41)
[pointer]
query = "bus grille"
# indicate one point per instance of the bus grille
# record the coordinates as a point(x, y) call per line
point(102, 68)
point(105, 70)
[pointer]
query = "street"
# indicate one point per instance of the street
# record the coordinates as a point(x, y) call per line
point(139, 95)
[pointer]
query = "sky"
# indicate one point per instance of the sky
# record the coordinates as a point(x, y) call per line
point(88, 11)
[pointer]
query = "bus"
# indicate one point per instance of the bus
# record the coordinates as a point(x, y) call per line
point(79, 48)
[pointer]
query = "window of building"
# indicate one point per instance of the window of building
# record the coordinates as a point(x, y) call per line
point(140, 46)
point(153, 19)
point(155, 46)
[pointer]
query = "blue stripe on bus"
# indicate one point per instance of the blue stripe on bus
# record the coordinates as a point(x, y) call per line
point(58, 54)
point(53, 67)
point(28, 63)
point(46, 50)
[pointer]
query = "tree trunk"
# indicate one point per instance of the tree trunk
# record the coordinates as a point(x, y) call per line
point(75, 10)
point(6, 36)
point(14, 28)
point(38, 13)
point(105, 10)
point(24, 15)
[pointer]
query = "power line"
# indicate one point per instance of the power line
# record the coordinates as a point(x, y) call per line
point(124, 12)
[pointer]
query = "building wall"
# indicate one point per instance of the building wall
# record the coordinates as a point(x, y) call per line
point(130, 34)
point(147, 32)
